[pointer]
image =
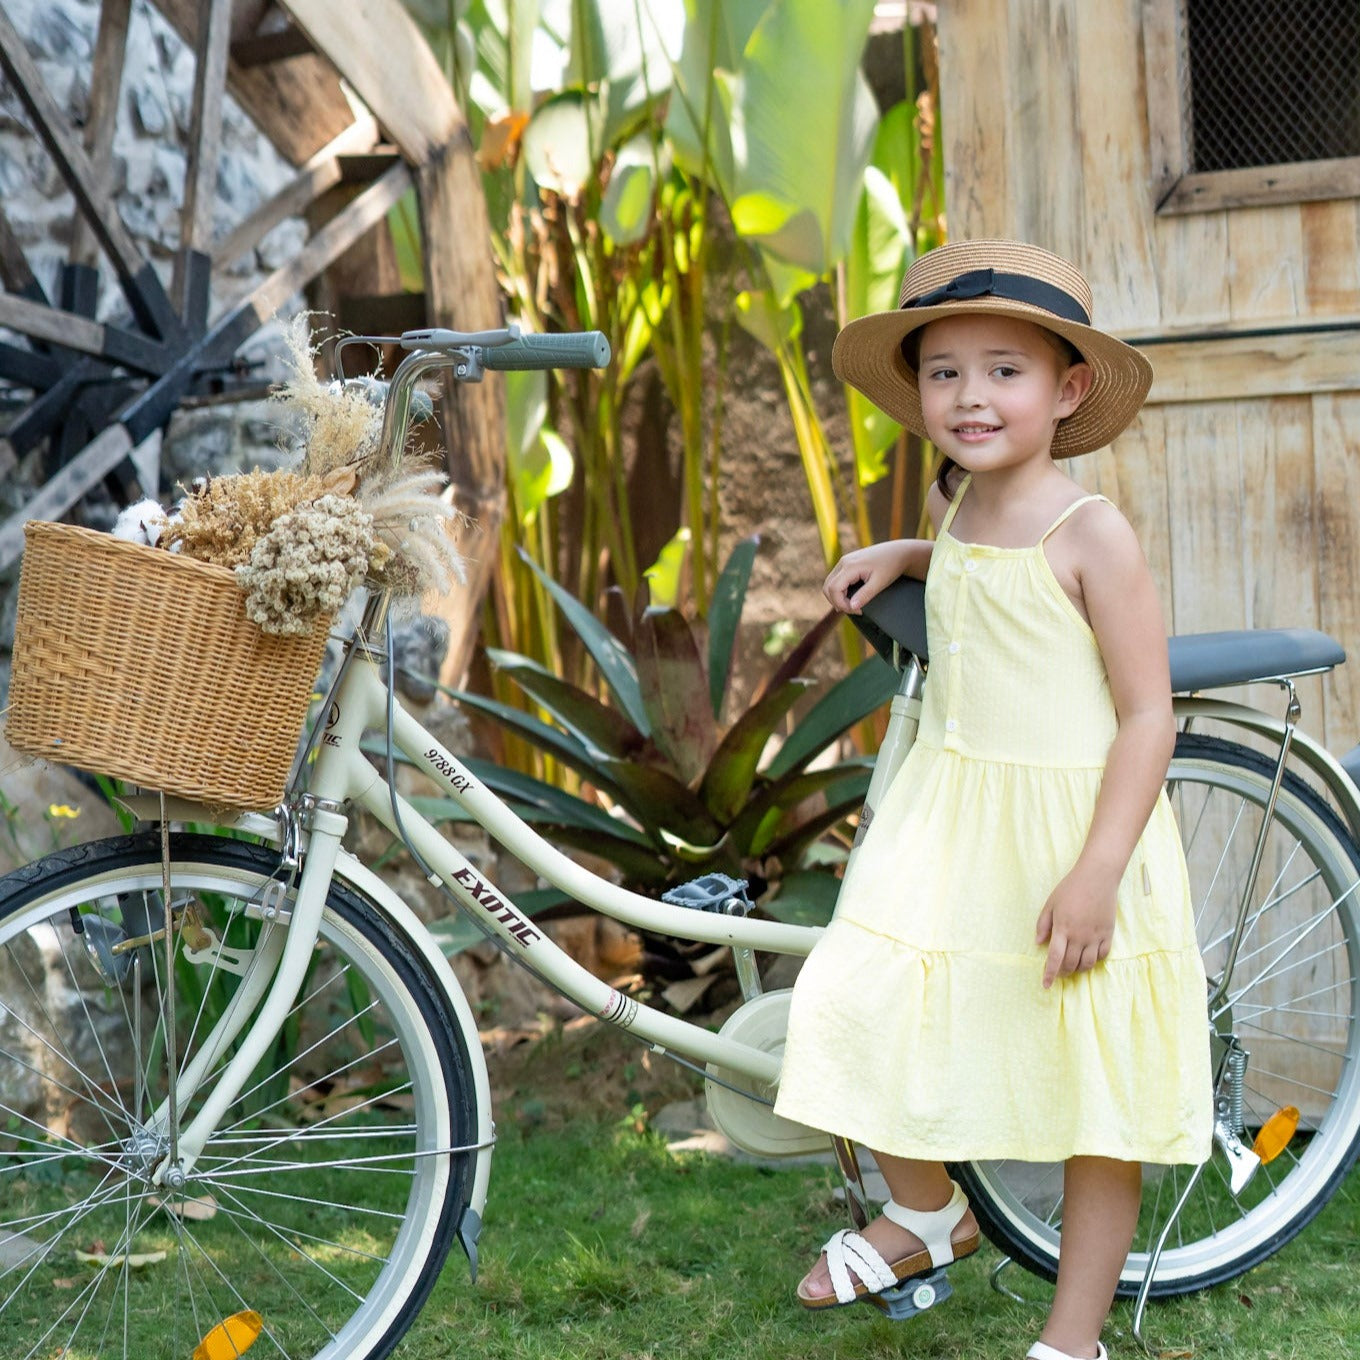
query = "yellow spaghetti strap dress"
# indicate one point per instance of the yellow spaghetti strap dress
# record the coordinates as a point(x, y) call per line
point(918, 1024)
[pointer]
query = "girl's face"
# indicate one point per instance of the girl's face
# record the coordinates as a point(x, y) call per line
point(993, 389)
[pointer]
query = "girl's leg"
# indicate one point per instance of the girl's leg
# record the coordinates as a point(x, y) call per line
point(923, 1186)
point(1100, 1213)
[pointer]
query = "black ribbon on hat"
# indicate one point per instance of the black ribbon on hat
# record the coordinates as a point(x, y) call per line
point(1014, 287)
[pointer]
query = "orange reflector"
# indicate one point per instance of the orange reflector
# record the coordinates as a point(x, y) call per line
point(232, 1337)
point(1275, 1134)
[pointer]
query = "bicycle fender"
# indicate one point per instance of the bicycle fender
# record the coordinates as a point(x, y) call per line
point(1337, 784)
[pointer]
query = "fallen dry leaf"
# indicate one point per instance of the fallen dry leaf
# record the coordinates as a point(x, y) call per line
point(134, 1262)
point(197, 1210)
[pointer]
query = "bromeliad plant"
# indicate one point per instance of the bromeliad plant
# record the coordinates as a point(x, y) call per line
point(683, 786)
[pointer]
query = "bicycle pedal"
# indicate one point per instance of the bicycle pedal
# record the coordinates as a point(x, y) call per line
point(906, 1300)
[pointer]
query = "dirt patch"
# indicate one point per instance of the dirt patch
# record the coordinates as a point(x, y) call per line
point(580, 1069)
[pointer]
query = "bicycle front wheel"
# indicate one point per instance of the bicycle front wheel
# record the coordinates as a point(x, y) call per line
point(1293, 1002)
point(317, 1218)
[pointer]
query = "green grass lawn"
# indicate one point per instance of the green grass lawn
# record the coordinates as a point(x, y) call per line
point(601, 1243)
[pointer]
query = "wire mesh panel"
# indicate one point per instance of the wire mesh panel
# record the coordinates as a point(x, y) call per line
point(1271, 82)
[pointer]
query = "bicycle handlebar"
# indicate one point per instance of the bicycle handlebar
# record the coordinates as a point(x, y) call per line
point(467, 354)
point(510, 350)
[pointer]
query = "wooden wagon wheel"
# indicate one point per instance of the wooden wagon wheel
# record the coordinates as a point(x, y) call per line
point(100, 388)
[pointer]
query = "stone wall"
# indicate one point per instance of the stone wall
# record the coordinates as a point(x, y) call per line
point(149, 160)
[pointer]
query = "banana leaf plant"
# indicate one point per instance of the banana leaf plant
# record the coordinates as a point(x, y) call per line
point(683, 784)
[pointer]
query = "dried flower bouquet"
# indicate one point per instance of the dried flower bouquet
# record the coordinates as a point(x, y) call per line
point(301, 540)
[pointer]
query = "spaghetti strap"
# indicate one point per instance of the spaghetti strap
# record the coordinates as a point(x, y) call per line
point(1076, 505)
point(954, 505)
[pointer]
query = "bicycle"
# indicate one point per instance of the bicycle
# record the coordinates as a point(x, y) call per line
point(266, 1086)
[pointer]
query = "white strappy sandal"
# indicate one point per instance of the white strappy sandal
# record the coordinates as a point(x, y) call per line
point(848, 1251)
point(1041, 1350)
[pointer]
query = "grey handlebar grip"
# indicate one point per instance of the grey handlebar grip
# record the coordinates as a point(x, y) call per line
point(583, 349)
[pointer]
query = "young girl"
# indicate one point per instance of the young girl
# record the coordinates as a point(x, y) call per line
point(1012, 971)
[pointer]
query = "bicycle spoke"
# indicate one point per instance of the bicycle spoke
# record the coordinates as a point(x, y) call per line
point(348, 1140)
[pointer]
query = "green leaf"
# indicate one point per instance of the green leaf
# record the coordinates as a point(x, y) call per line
point(558, 146)
point(789, 843)
point(804, 651)
point(788, 280)
point(626, 208)
point(609, 654)
point(625, 50)
point(800, 70)
point(673, 687)
point(759, 315)
point(724, 618)
point(787, 793)
point(604, 731)
point(897, 156)
point(538, 460)
point(805, 897)
point(562, 746)
point(663, 576)
point(871, 684)
point(879, 250)
point(403, 222)
point(761, 214)
point(564, 808)
point(658, 800)
point(705, 87)
point(732, 770)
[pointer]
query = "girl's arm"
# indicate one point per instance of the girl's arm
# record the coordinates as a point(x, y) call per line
point(861, 574)
point(1121, 601)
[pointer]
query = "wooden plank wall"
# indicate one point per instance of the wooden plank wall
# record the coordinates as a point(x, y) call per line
point(1242, 475)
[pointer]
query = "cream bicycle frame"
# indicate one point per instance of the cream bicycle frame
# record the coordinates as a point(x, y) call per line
point(343, 776)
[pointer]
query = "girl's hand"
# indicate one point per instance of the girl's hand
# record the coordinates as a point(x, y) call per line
point(1077, 923)
point(861, 574)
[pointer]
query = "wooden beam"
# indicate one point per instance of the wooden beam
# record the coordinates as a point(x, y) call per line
point(1251, 366)
point(377, 47)
point(140, 285)
point(27, 368)
point(40, 322)
point(73, 331)
point(14, 271)
point(151, 408)
point(1164, 58)
point(300, 105)
point(364, 169)
point(266, 48)
point(88, 468)
point(462, 292)
point(323, 171)
point(328, 244)
point(1255, 186)
point(106, 79)
point(205, 139)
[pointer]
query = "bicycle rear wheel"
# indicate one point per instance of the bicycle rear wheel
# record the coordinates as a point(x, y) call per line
point(1293, 1004)
point(321, 1210)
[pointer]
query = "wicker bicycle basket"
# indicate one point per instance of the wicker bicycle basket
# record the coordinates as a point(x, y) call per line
point(141, 664)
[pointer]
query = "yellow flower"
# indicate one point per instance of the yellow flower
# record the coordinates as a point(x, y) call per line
point(61, 810)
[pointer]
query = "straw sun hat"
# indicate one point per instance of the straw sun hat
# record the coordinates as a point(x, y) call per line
point(996, 278)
